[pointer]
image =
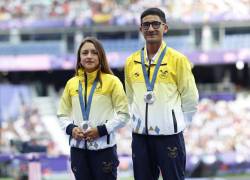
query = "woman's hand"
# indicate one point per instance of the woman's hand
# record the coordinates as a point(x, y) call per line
point(91, 134)
point(77, 133)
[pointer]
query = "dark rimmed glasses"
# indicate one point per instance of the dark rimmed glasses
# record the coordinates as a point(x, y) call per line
point(155, 25)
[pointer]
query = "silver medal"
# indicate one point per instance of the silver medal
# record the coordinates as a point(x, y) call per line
point(85, 126)
point(149, 97)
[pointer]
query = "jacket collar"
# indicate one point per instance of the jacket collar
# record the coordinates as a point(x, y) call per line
point(157, 55)
point(90, 76)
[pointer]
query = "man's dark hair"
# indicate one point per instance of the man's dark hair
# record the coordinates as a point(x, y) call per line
point(154, 11)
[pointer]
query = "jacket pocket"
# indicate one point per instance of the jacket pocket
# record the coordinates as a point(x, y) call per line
point(174, 121)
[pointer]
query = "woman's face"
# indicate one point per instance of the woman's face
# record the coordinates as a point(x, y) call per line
point(89, 57)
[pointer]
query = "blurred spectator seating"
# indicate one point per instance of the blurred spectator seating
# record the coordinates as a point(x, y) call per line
point(236, 41)
point(118, 12)
point(35, 47)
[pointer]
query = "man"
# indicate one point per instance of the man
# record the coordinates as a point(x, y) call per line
point(162, 95)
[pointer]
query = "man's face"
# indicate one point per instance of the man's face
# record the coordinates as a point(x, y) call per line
point(153, 28)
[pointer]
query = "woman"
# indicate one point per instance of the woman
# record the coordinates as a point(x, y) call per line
point(92, 107)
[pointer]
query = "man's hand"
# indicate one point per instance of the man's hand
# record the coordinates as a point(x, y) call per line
point(91, 134)
point(77, 133)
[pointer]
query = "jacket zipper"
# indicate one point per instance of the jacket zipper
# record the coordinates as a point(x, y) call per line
point(146, 110)
point(174, 121)
point(85, 101)
point(85, 90)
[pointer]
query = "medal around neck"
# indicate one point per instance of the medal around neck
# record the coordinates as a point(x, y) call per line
point(149, 97)
point(85, 107)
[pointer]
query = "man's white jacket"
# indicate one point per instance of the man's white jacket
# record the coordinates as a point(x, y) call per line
point(175, 91)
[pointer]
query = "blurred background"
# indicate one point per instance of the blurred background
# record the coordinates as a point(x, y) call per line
point(38, 44)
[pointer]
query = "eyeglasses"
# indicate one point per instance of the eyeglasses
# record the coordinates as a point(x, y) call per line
point(155, 25)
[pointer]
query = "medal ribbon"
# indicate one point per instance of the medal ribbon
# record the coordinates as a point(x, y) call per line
point(86, 110)
point(150, 85)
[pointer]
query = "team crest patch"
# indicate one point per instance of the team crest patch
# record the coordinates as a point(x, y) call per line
point(172, 152)
point(136, 74)
point(107, 167)
point(163, 73)
point(74, 169)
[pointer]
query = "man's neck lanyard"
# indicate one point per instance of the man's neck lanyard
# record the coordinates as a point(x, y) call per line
point(150, 85)
point(86, 110)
